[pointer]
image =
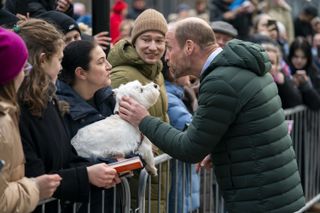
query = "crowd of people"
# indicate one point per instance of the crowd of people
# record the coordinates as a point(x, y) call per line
point(225, 74)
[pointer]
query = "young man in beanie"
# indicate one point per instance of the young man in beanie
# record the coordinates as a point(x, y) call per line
point(140, 60)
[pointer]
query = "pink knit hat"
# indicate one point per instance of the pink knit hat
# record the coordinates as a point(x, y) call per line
point(13, 55)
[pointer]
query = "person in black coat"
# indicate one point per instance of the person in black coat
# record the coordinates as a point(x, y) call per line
point(84, 83)
point(45, 139)
point(302, 23)
point(305, 74)
point(37, 7)
point(7, 19)
point(240, 17)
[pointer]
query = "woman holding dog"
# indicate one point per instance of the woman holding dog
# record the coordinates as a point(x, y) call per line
point(46, 141)
point(140, 59)
point(85, 84)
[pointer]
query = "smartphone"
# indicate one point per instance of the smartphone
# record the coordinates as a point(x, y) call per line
point(301, 72)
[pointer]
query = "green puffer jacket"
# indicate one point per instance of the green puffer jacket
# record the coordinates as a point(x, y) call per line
point(128, 66)
point(241, 123)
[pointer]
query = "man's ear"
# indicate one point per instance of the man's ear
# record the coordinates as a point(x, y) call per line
point(189, 47)
point(80, 73)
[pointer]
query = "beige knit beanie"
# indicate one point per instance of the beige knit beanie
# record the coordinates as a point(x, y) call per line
point(148, 20)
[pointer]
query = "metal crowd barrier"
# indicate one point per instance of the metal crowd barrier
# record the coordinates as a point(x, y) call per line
point(125, 200)
point(306, 142)
point(210, 198)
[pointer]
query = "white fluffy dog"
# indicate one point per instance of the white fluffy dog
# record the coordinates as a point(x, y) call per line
point(114, 136)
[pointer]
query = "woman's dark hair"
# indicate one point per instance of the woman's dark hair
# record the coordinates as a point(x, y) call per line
point(76, 54)
point(300, 43)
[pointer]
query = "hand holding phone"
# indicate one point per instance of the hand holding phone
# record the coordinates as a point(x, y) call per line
point(300, 77)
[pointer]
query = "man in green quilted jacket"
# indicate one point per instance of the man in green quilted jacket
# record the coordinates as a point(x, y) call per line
point(239, 121)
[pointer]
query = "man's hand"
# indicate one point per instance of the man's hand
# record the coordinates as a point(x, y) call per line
point(206, 163)
point(132, 111)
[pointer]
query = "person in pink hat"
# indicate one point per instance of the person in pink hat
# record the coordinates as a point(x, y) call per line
point(17, 193)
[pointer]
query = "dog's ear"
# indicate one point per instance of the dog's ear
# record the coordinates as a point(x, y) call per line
point(115, 91)
point(118, 95)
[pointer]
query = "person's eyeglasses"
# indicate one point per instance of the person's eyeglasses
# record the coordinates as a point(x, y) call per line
point(27, 68)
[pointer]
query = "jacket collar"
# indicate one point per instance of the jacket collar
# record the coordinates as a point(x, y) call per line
point(79, 108)
point(124, 54)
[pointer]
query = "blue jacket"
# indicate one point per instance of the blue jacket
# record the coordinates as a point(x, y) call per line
point(179, 117)
point(82, 113)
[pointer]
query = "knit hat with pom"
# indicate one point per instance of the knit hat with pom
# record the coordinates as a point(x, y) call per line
point(13, 55)
point(149, 20)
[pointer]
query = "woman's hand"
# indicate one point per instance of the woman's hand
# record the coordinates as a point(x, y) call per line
point(300, 77)
point(47, 185)
point(101, 175)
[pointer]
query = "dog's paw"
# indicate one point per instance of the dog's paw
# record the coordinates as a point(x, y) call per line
point(152, 170)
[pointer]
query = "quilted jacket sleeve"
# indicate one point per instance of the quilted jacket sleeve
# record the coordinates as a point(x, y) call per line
point(217, 109)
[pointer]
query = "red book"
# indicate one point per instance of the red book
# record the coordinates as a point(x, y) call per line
point(127, 165)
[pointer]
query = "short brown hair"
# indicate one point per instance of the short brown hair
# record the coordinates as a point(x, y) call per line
point(194, 29)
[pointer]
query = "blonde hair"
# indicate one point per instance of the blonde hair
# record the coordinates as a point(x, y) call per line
point(37, 88)
point(269, 47)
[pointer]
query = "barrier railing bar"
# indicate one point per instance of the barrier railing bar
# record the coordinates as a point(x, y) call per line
point(309, 204)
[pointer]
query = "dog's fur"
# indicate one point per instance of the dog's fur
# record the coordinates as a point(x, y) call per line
point(114, 136)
